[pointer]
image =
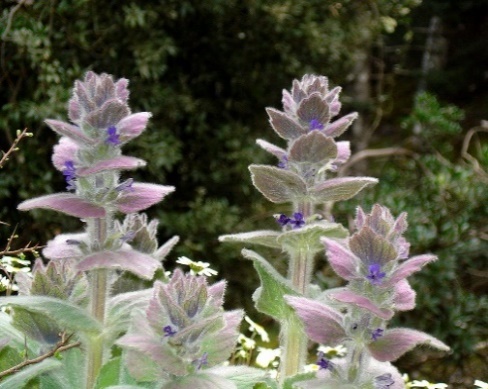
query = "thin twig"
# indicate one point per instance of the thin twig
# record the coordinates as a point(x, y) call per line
point(21, 135)
point(469, 157)
point(61, 346)
point(372, 153)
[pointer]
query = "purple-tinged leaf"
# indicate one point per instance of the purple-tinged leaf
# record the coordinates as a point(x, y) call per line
point(289, 105)
point(284, 125)
point(313, 107)
point(339, 126)
point(83, 97)
point(278, 152)
point(404, 298)
point(67, 203)
point(120, 308)
point(70, 131)
point(74, 110)
point(133, 125)
point(322, 323)
point(140, 264)
point(409, 267)
point(216, 292)
point(278, 185)
point(65, 246)
point(372, 248)
point(142, 196)
point(176, 314)
point(333, 95)
point(118, 163)
point(121, 90)
point(161, 253)
point(146, 342)
point(109, 114)
point(264, 238)
point(343, 153)
point(360, 219)
point(338, 189)
point(63, 152)
point(349, 297)
point(397, 341)
point(196, 331)
point(341, 259)
point(220, 351)
point(314, 147)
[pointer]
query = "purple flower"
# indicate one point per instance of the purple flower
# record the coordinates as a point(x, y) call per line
point(69, 173)
point(113, 137)
point(375, 274)
point(282, 220)
point(168, 331)
point(323, 363)
point(200, 362)
point(377, 333)
point(297, 221)
point(125, 186)
point(283, 164)
point(315, 125)
point(383, 381)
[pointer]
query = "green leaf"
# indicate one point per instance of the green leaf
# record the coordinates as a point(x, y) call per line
point(291, 381)
point(17, 338)
point(119, 311)
point(278, 185)
point(308, 237)
point(20, 379)
point(65, 314)
point(269, 297)
point(245, 377)
point(109, 374)
point(266, 238)
point(200, 381)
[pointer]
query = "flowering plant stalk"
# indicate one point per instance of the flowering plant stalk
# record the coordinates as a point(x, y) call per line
point(90, 326)
point(372, 260)
point(81, 303)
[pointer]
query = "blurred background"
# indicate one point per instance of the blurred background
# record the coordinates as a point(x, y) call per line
point(416, 71)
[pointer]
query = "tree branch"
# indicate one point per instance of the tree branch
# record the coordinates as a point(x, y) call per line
point(61, 346)
point(373, 153)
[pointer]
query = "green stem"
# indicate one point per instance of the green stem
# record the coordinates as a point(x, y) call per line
point(355, 363)
point(292, 337)
point(98, 297)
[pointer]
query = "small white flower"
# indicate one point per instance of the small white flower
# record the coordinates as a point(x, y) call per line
point(311, 368)
point(333, 352)
point(481, 384)
point(247, 343)
point(6, 284)
point(254, 327)
point(197, 268)
point(266, 356)
point(14, 264)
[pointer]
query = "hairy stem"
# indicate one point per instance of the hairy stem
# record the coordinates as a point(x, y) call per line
point(98, 298)
point(292, 337)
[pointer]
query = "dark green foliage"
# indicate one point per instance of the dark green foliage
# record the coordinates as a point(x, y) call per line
point(207, 69)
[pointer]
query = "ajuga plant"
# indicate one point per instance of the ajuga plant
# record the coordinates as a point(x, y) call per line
point(373, 260)
point(80, 322)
